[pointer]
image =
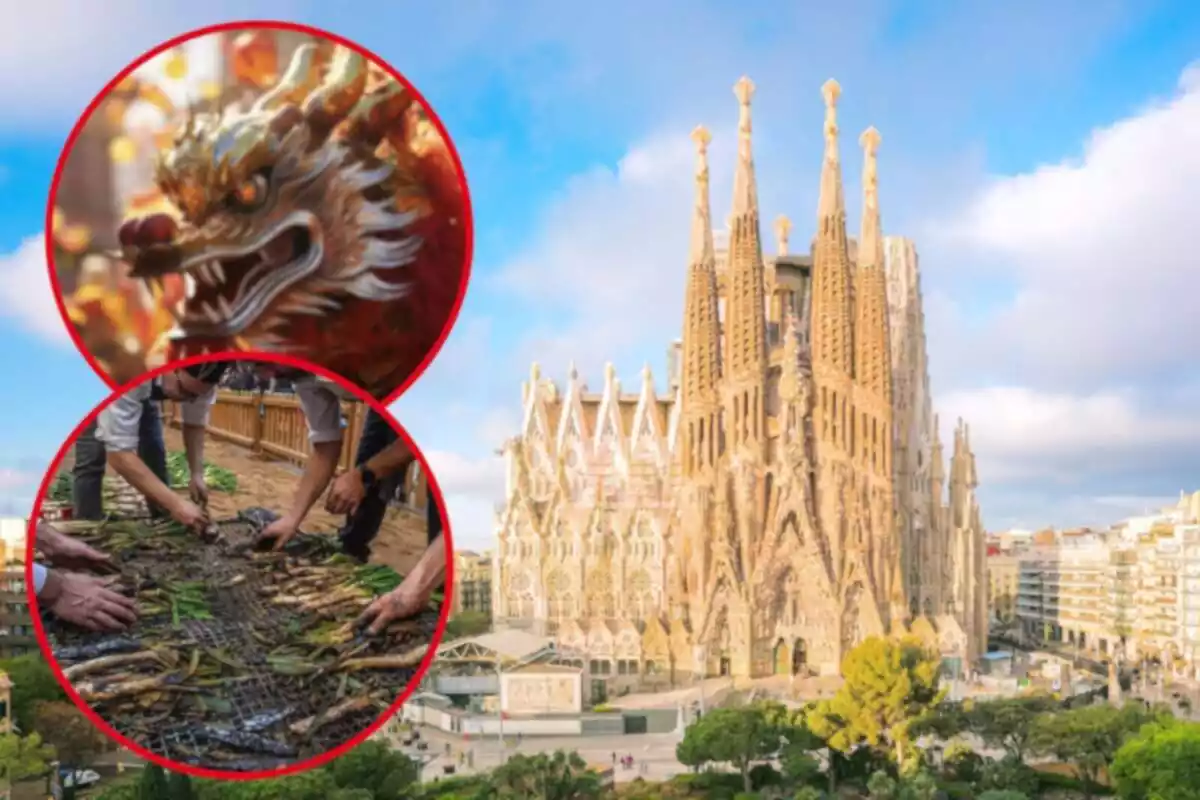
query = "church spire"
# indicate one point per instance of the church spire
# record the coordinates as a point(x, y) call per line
point(832, 321)
point(872, 340)
point(701, 354)
point(745, 186)
point(831, 202)
point(702, 233)
point(746, 315)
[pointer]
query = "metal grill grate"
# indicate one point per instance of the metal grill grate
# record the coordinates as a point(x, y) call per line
point(245, 628)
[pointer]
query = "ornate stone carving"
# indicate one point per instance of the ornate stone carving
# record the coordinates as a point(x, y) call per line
point(741, 512)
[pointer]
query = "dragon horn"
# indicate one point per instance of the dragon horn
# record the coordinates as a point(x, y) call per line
point(302, 77)
point(337, 95)
point(379, 112)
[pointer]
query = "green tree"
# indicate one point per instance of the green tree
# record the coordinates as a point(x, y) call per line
point(33, 683)
point(180, 786)
point(386, 773)
point(888, 685)
point(315, 784)
point(1008, 723)
point(1161, 762)
point(153, 784)
point(23, 757)
point(739, 736)
point(76, 741)
point(559, 776)
point(468, 623)
point(122, 790)
point(1003, 794)
point(1088, 737)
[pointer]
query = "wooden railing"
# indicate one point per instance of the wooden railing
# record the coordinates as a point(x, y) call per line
point(273, 424)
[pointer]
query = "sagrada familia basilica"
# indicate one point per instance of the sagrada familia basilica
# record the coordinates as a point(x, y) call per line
point(786, 498)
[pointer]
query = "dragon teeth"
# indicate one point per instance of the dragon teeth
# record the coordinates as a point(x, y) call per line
point(213, 315)
point(218, 271)
point(224, 307)
point(189, 286)
point(208, 272)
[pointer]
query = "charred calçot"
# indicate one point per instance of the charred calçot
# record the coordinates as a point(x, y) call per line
point(239, 661)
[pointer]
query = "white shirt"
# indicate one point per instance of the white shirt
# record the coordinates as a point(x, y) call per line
point(118, 424)
point(321, 401)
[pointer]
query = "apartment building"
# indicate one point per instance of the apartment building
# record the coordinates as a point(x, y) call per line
point(1133, 595)
point(16, 627)
point(1003, 572)
point(473, 582)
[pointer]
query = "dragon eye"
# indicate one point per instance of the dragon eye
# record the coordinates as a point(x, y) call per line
point(251, 192)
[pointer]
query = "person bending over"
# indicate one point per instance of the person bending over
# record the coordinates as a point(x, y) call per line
point(321, 403)
point(119, 425)
point(76, 597)
point(355, 492)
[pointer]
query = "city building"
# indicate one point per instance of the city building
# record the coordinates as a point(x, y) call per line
point(786, 497)
point(1131, 593)
point(16, 626)
point(1003, 571)
point(473, 582)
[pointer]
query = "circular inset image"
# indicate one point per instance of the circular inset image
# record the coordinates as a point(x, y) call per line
point(238, 567)
point(260, 187)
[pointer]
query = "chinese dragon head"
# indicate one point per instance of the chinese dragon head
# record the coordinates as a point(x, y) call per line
point(326, 221)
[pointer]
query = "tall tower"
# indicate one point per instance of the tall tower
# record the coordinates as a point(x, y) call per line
point(745, 304)
point(701, 333)
point(872, 423)
point(872, 348)
point(832, 331)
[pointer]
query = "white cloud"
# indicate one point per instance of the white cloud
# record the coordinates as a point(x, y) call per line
point(1100, 250)
point(26, 295)
point(610, 253)
point(55, 55)
point(471, 488)
point(1022, 434)
point(457, 474)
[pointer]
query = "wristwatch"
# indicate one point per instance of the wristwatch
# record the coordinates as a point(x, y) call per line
point(369, 478)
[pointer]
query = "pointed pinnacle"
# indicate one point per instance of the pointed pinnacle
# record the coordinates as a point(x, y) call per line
point(870, 140)
point(831, 90)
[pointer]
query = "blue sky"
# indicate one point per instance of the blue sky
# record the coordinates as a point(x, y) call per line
point(1042, 154)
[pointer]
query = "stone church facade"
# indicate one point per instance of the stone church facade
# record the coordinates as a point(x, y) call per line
point(785, 498)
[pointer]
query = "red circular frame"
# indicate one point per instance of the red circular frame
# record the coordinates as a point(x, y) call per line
point(279, 25)
point(301, 766)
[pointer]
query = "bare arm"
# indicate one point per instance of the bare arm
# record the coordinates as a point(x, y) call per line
point(130, 467)
point(193, 445)
point(430, 572)
point(396, 457)
point(318, 472)
point(412, 596)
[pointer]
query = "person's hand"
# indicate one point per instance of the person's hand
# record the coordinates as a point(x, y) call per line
point(70, 553)
point(347, 492)
point(280, 531)
point(189, 514)
point(198, 490)
point(404, 601)
point(87, 601)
